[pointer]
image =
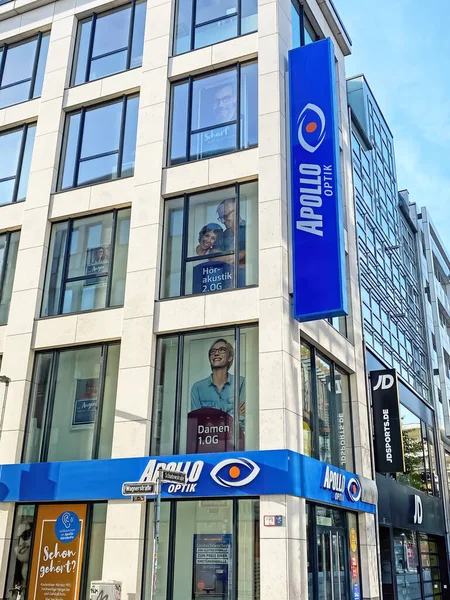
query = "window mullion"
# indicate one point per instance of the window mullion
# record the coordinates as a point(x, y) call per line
point(19, 162)
point(122, 137)
point(62, 287)
point(100, 392)
point(239, 17)
point(49, 411)
point(315, 407)
point(235, 549)
point(184, 244)
point(3, 62)
point(178, 391)
point(130, 34)
point(4, 263)
point(111, 257)
point(236, 237)
point(302, 23)
point(90, 49)
point(193, 20)
point(237, 379)
point(87, 547)
point(78, 151)
point(35, 66)
point(238, 108)
point(171, 549)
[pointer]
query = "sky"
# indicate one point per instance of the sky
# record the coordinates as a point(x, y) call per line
point(403, 49)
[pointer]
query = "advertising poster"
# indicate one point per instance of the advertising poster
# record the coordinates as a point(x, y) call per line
point(211, 430)
point(57, 552)
point(97, 263)
point(212, 276)
point(212, 566)
point(85, 404)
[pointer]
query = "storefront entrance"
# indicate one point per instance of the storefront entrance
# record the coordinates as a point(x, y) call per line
point(332, 563)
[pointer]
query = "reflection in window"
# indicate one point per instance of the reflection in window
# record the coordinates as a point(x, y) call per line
point(204, 549)
point(202, 253)
point(9, 246)
point(22, 67)
point(327, 433)
point(16, 148)
point(109, 42)
point(407, 564)
point(206, 392)
point(87, 263)
point(20, 553)
point(212, 21)
point(72, 404)
point(214, 114)
point(100, 143)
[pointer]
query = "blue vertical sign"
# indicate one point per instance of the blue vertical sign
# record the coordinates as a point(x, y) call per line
point(318, 254)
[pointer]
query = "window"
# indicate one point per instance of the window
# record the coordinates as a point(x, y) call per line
point(420, 455)
point(214, 114)
point(9, 245)
point(22, 67)
point(87, 263)
point(25, 535)
point(100, 143)
point(206, 548)
point(302, 30)
point(203, 380)
point(16, 148)
point(72, 404)
point(109, 43)
point(199, 23)
point(327, 424)
point(201, 252)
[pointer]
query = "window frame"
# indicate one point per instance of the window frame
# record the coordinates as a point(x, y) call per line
point(86, 549)
point(5, 47)
point(50, 403)
point(184, 259)
point(66, 259)
point(129, 48)
point(4, 265)
point(315, 433)
point(194, 26)
point(190, 132)
point(172, 535)
point(82, 111)
point(25, 127)
point(237, 329)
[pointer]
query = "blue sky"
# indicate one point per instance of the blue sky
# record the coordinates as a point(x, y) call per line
point(404, 51)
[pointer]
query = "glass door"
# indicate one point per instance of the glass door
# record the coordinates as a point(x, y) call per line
point(332, 564)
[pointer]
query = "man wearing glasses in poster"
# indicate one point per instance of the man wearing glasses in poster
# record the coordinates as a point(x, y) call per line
point(226, 215)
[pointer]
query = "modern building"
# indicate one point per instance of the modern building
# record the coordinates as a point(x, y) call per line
point(395, 261)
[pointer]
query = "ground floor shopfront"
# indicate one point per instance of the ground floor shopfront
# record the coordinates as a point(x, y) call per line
point(217, 538)
point(414, 559)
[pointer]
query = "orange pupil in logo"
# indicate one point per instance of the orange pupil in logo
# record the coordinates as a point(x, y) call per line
point(311, 127)
point(235, 472)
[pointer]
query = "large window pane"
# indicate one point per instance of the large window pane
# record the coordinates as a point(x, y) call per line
point(105, 138)
point(415, 474)
point(116, 41)
point(9, 246)
point(324, 397)
point(211, 251)
point(163, 551)
point(344, 419)
point(213, 122)
point(96, 545)
point(26, 163)
point(209, 392)
point(86, 281)
point(212, 22)
point(19, 63)
point(70, 389)
point(39, 80)
point(20, 553)
point(407, 564)
point(307, 401)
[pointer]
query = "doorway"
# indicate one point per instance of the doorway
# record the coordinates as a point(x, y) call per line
point(332, 564)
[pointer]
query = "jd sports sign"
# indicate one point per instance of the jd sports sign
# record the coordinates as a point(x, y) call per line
point(389, 456)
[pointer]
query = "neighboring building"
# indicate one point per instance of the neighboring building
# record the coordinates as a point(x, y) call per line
point(397, 323)
point(144, 245)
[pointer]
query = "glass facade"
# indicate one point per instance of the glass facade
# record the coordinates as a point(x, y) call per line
point(109, 43)
point(87, 263)
point(202, 252)
point(22, 67)
point(301, 27)
point(206, 392)
point(9, 246)
point(200, 23)
point(206, 548)
point(214, 114)
point(99, 143)
point(23, 545)
point(390, 284)
point(72, 404)
point(327, 429)
point(16, 148)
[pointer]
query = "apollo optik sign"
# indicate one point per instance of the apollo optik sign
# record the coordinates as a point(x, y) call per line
point(318, 256)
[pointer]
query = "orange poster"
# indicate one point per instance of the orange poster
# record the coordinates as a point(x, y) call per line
point(57, 552)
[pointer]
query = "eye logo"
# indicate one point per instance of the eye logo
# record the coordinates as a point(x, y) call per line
point(237, 472)
point(311, 127)
point(354, 489)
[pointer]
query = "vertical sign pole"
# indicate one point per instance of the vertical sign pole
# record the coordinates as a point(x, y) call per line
point(156, 533)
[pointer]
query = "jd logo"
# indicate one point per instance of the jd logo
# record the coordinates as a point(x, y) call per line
point(384, 382)
point(418, 510)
